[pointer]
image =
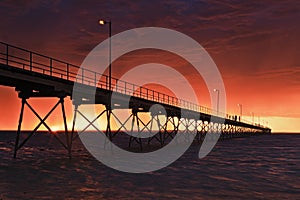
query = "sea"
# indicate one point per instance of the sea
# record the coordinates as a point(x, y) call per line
point(257, 167)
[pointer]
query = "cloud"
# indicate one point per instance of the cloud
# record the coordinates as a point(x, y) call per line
point(252, 42)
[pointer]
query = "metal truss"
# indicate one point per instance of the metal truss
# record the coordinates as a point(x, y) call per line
point(166, 127)
point(19, 144)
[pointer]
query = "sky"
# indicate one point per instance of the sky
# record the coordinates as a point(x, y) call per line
point(255, 45)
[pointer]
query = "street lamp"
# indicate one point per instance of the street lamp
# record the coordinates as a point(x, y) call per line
point(218, 98)
point(103, 22)
point(241, 110)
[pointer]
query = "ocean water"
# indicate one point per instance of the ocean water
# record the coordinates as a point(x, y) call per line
point(258, 167)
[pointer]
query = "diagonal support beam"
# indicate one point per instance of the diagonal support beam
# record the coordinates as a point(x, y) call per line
point(135, 118)
point(122, 125)
point(42, 122)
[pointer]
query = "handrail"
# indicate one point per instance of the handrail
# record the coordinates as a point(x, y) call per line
point(67, 71)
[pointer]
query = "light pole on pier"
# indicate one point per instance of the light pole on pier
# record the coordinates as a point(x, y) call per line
point(241, 110)
point(218, 99)
point(103, 22)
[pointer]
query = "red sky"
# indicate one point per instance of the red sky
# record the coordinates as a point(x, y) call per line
point(255, 45)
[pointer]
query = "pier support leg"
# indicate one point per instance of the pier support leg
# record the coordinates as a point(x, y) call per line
point(73, 126)
point(161, 129)
point(108, 127)
point(66, 126)
point(42, 122)
point(19, 127)
point(136, 119)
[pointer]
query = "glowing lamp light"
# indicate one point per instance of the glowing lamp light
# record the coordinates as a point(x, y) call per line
point(102, 22)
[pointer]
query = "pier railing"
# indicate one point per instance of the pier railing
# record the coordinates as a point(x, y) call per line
point(38, 63)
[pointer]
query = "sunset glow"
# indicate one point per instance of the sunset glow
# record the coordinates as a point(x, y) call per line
point(256, 50)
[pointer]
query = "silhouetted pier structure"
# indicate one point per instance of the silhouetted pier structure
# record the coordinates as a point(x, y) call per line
point(34, 75)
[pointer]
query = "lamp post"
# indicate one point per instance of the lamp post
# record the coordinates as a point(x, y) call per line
point(103, 22)
point(218, 99)
point(241, 110)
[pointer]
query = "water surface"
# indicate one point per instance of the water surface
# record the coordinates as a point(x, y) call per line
point(259, 167)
